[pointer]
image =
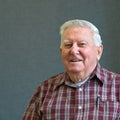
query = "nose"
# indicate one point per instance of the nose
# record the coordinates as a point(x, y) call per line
point(74, 50)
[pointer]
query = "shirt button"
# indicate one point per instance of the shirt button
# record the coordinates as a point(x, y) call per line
point(80, 107)
point(80, 89)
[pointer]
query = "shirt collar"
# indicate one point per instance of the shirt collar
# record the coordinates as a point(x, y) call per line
point(98, 72)
point(60, 79)
point(69, 82)
point(63, 77)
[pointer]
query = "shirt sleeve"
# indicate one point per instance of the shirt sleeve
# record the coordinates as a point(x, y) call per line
point(33, 110)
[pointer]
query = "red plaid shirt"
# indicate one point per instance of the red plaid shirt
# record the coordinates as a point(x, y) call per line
point(97, 99)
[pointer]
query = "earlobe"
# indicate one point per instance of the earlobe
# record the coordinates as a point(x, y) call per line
point(60, 49)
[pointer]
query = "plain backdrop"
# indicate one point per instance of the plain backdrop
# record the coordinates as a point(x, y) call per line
point(29, 44)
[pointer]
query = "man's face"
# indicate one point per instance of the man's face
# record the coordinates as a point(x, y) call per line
point(78, 51)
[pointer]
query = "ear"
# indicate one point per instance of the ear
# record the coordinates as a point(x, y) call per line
point(60, 49)
point(99, 52)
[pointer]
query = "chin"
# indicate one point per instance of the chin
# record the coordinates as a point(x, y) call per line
point(74, 70)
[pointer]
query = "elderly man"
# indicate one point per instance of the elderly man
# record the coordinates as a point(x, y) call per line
point(86, 91)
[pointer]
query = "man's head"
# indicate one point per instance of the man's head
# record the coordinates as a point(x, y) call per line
point(82, 23)
point(81, 47)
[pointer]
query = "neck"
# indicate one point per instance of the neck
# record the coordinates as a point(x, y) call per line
point(77, 77)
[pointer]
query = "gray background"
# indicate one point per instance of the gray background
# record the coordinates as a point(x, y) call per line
point(29, 44)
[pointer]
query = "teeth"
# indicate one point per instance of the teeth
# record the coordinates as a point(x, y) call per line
point(75, 60)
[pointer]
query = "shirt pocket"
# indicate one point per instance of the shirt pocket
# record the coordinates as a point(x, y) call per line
point(109, 109)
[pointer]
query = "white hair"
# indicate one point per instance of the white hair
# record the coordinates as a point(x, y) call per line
point(82, 23)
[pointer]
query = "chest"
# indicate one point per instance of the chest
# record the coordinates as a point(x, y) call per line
point(90, 101)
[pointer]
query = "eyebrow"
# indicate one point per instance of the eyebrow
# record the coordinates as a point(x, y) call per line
point(66, 41)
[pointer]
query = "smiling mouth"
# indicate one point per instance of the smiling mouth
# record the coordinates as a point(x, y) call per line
point(75, 60)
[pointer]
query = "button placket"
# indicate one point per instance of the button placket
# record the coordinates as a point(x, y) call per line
point(78, 102)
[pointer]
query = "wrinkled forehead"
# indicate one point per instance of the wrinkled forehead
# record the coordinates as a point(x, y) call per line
point(78, 31)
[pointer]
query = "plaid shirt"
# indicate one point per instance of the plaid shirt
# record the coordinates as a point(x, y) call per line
point(57, 99)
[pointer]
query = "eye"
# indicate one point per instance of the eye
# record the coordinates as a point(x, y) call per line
point(67, 45)
point(82, 44)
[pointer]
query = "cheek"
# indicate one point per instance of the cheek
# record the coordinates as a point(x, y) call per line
point(90, 55)
point(64, 54)
point(93, 57)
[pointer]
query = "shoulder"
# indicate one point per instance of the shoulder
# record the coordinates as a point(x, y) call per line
point(52, 82)
point(111, 79)
point(47, 86)
point(107, 76)
point(110, 74)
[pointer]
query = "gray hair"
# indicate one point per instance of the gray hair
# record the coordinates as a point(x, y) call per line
point(82, 23)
